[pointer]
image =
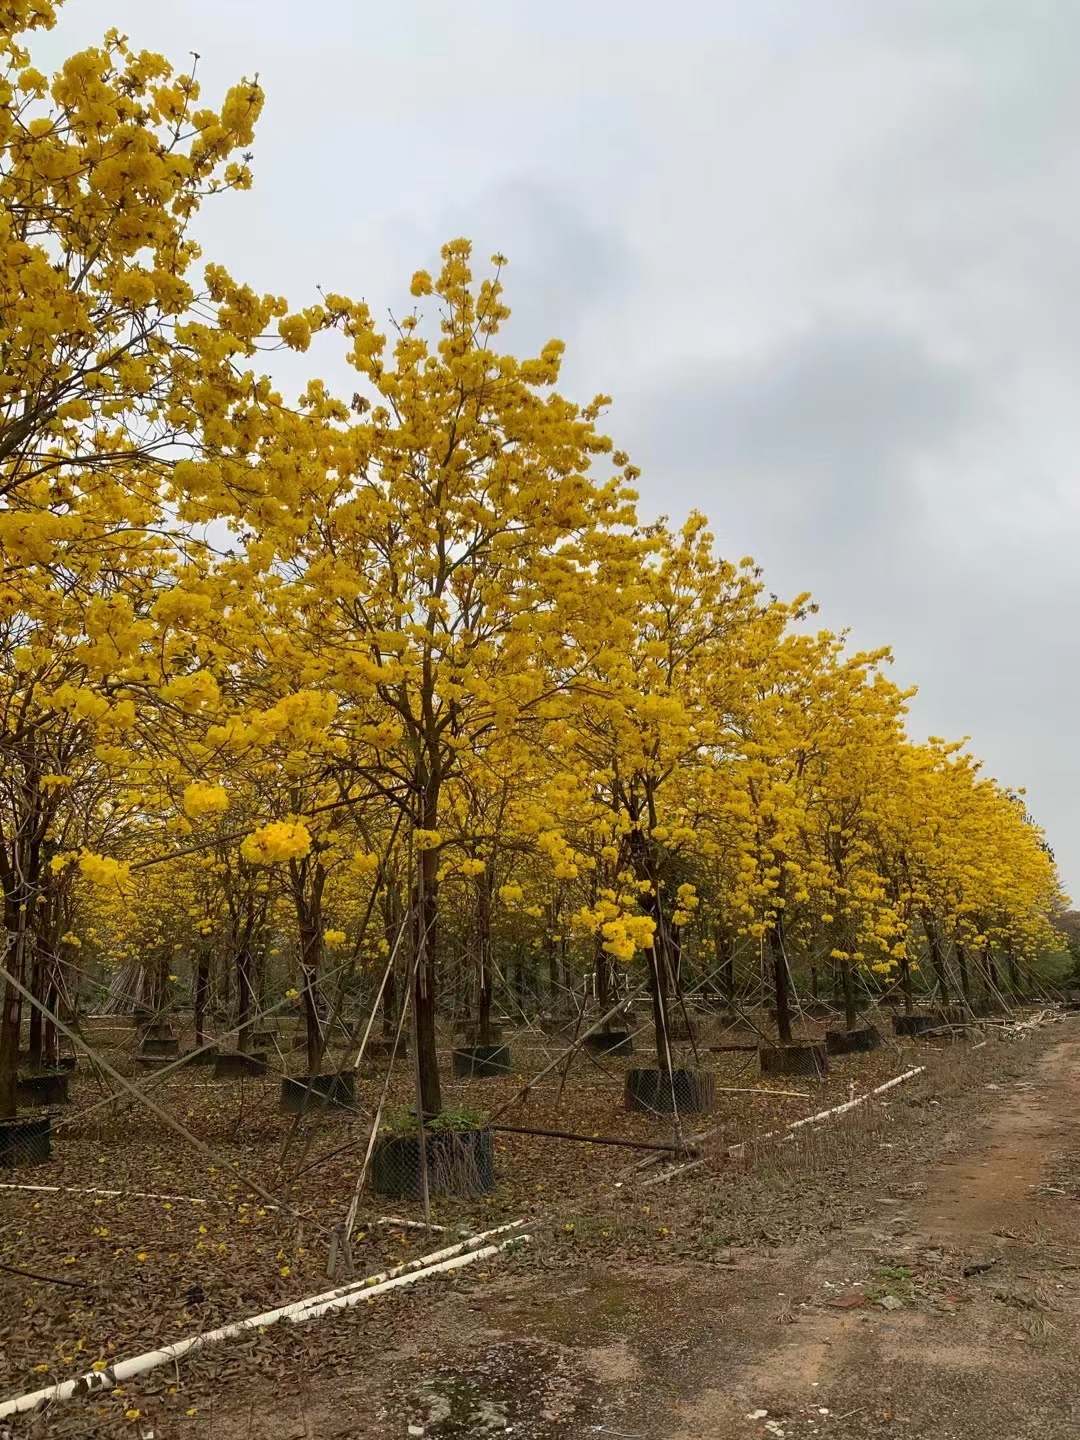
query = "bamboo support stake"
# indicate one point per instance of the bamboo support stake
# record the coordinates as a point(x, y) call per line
point(354, 1203)
point(151, 1105)
point(755, 1090)
point(520, 1094)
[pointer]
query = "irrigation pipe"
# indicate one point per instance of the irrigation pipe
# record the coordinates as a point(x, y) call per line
point(590, 1139)
point(828, 1114)
point(49, 1279)
point(395, 1220)
point(790, 1131)
point(117, 1194)
point(299, 1311)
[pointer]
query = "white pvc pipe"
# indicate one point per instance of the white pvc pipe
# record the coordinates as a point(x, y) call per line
point(860, 1100)
point(670, 1174)
point(297, 1312)
point(825, 1114)
point(422, 1262)
point(406, 1224)
point(354, 1297)
point(121, 1194)
point(789, 1132)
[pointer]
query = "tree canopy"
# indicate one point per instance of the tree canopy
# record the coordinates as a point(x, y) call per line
point(446, 693)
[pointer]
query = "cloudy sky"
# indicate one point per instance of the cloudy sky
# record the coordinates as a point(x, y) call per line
point(823, 256)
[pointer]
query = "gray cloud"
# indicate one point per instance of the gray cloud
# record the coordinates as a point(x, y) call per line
point(812, 443)
point(564, 268)
point(822, 255)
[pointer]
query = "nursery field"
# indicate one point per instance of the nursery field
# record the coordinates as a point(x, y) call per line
point(430, 882)
point(132, 1237)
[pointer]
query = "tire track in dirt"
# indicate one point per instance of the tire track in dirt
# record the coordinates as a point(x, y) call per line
point(990, 1353)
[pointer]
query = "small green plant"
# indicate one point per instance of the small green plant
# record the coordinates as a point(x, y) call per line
point(457, 1119)
point(894, 1272)
point(891, 1280)
point(403, 1122)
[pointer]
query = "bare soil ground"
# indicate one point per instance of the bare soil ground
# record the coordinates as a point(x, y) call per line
point(915, 1273)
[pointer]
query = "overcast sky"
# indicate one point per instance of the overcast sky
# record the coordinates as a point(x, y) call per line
point(824, 256)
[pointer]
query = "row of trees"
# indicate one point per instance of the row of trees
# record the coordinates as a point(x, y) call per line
point(444, 692)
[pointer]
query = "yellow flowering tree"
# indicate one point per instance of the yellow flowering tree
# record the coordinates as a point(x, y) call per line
point(446, 526)
point(116, 361)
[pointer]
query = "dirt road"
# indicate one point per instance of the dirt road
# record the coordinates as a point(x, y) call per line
point(969, 1328)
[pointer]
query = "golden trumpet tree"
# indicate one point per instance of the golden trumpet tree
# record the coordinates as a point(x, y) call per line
point(117, 358)
point(651, 716)
point(448, 529)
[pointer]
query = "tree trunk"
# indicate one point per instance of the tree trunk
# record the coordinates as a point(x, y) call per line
point(526, 993)
point(37, 986)
point(424, 914)
point(483, 958)
point(851, 1016)
point(552, 985)
point(225, 992)
point(11, 1020)
point(1016, 987)
point(243, 997)
point(161, 987)
point(837, 981)
point(258, 975)
point(202, 989)
point(602, 978)
point(310, 956)
point(673, 936)
point(9, 1050)
point(660, 959)
point(990, 978)
point(658, 994)
point(781, 987)
point(727, 950)
point(561, 978)
point(312, 1020)
point(389, 1004)
point(50, 1048)
point(937, 959)
point(392, 911)
point(965, 976)
point(905, 985)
